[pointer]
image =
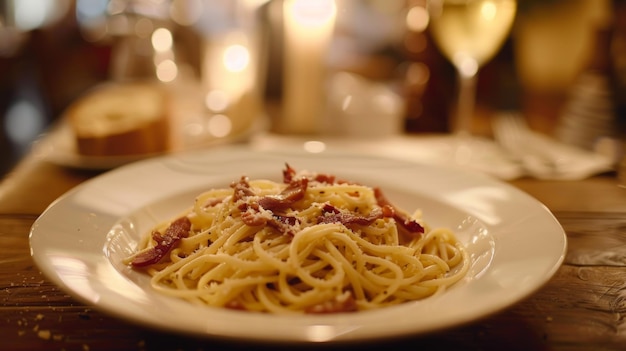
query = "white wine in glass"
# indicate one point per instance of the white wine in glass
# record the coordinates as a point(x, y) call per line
point(469, 33)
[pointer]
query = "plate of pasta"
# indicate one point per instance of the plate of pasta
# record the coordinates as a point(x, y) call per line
point(296, 247)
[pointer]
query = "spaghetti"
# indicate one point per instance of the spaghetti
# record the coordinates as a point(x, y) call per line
point(311, 244)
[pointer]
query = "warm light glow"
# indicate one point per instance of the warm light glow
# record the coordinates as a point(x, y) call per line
point(488, 10)
point(387, 103)
point(143, 28)
point(308, 30)
point(321, 332)
point(313, 12)
point(345, 104)
point(186, 12)
point(228, 71)
point(216, 100)
point(236, 58)
point(219, 126)
point(417, 74)
point(417, 19)
point(167, 71)
point(468, 66)
point(32, 14)
point(314, 146)
point(162, 40)
point(193, 129)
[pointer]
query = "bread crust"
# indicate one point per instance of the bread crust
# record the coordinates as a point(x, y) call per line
point(120, 119)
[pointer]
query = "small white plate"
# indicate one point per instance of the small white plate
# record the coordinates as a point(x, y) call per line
point(516, 244)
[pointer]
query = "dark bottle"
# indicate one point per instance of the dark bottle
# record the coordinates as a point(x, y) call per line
point(429, 77)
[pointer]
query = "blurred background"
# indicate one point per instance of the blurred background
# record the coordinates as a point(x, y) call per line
point(52, 52)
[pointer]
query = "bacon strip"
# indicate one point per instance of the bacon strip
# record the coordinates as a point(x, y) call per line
point(293, 192)
point(409, 225)
point(252, 216)
point(288, 174)
point(251, 211)
point(331, 214)
point(327, 178)
point(284, 224)
point(165, 243)
point(241, 189)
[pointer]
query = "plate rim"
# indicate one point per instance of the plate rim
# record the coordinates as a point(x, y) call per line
point(43, 263)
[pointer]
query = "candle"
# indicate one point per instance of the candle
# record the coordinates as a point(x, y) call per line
point(227, 65)
point(308, 27)
point(230, 82)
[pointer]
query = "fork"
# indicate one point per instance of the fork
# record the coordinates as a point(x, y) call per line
point(513, 133)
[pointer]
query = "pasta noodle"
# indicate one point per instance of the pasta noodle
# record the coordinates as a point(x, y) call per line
point(311, 244)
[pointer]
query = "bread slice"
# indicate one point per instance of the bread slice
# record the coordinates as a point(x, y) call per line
point(121, 119)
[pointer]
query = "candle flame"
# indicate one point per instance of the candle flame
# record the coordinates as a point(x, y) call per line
point(236, 58)
point(162, 40)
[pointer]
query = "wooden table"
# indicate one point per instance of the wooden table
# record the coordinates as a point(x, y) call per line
point(582, 308)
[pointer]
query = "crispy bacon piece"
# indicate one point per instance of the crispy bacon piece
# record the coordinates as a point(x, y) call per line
point(326, 178)
point(409, 225)
point(293, 192)
point(284, 224)
point(241, 189)
point(252, 210)
point(251, 215)
point(288, 174)
point(164, 243)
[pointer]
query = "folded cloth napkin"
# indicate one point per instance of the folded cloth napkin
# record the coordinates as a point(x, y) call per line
point(565, 162)
point(544, 157)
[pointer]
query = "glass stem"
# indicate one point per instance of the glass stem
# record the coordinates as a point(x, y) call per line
point(466, 103)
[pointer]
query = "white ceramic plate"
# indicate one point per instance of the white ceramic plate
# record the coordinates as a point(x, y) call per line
point(516, 244)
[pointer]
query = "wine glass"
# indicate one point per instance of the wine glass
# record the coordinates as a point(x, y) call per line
point(469, 33)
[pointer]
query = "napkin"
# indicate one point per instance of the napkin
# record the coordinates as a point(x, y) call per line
point(544, 157)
